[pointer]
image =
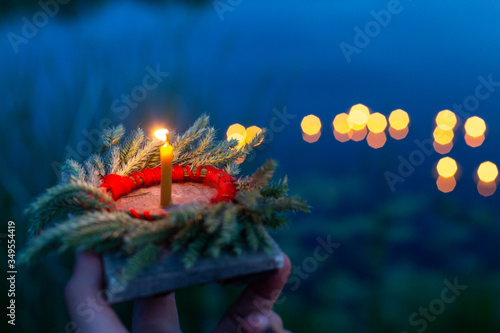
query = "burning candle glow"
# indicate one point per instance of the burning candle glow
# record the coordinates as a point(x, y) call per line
point(166, 155)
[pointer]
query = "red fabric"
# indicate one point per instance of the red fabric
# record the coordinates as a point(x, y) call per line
point(135, 214)
point(121, 185)
point(117, 185)
point(177, 174)
point(147, 216)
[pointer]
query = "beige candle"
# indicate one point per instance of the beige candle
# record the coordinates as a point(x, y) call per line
point(166, 154)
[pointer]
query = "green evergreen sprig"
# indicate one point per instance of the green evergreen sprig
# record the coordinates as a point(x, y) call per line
point(196, 230)
point(69, 198)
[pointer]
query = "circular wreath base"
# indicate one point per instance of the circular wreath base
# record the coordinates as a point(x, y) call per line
point(147, 199)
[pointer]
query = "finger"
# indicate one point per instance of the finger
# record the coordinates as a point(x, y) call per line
point(260, 323)
point(156, 315)
point(275, 321)
point(85, 297)
point(257, 298)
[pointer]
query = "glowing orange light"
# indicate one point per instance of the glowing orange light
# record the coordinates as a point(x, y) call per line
point(358, 117)
point(447, 167)
point(311, 125)
point(241, 159)
point(376, 140)
point(474, 142)
point(486, 189)
point(399, 119)
point(342, 137)
point(359, 135)
point(240, 138)
point(236, 129)
point(341, 123)
point(487, 172)
point(442, 149)
point(253, 131)
point(398, 134)
point(161, 134)
point(475, 127)
point(446, 185)
point(443, 136)
point(446, 120)
point(377, 123)
point(311, 138)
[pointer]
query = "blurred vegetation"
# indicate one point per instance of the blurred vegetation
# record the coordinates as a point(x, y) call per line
point(395, 250)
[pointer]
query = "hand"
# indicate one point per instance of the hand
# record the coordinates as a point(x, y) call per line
point(251, 312)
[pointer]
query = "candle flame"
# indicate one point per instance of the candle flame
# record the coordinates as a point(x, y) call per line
point(162, 134)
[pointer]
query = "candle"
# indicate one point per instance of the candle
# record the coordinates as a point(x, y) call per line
point(166, 153)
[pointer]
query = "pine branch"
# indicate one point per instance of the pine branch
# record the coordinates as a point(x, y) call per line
point(293, 204)
point(111, 137)
point(275, 190)
point(93, 175)
point(232, 169)
point(251, 236)
point(97, 162)
point(55, 238)
point(263, 175)
point(250, 199)
point(114, 163)
point(194, 249)
point(141, 159)
point(132, 145)
point(163, 229)
point(141, 260)
point(72, 171)
point(183, 143)
point(74, 197)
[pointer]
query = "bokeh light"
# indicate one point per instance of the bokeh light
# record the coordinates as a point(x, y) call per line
point(237, 136)
point(377, 122)
point(399, 119)
point(359, 135)
point(358, 117)
point(241, 159)
point(474, 142)
point(475, 127)
point(486, 189)
point(442, 149)
point(311, 138)
point(342, 137)
point(398, 134)
point(443, 136)
point(446, 185)
point(311, 125)
point(236, 129)
point(487, 172)
point(251, 132)
point(446, 120)
point(341, 123)
point(447, 167)
point(376, 140)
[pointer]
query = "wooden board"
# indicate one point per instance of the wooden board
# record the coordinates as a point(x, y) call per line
point(169, 274)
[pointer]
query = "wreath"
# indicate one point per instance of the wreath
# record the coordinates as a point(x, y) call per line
point(235, 220)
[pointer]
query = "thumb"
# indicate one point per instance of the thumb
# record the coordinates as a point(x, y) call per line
point(86, 297)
